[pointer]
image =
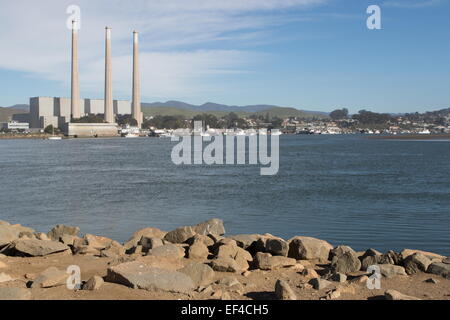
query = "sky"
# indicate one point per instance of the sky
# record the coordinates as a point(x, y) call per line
point(307, 54)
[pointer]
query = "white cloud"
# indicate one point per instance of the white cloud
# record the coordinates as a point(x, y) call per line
point(411, 3)
point(175, 37)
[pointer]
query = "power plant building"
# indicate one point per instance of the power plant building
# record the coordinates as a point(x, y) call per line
point(56, 111)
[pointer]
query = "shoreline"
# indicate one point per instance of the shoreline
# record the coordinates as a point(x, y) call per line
point(444, 136)
point(201, 262)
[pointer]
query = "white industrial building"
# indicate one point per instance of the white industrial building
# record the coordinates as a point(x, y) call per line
point(14, 125)
point(46, 111)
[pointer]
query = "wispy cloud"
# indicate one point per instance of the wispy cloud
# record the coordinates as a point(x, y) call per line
point(183, 43)
point(411, 3)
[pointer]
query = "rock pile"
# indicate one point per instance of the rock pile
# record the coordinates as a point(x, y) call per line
point(199, 258)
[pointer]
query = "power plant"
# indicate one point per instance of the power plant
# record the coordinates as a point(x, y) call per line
point(63, 112)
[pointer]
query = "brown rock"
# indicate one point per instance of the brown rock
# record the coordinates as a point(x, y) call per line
point(51, 277)
point(283, 291)
point(309, 248)
point(415, 263)
point(395, 295)
point(198, 251)
point(94, 283)
point(265, 261)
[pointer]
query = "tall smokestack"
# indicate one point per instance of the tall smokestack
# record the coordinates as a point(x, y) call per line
point(75, 89)
point(109, 113)
point(136, 106)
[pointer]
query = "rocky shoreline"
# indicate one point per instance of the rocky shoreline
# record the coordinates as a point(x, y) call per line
point(200, 262)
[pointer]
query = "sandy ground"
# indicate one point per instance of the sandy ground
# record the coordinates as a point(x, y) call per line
point(258, 285)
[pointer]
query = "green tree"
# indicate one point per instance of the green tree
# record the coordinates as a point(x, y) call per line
point(49, 129)
point(339, 114)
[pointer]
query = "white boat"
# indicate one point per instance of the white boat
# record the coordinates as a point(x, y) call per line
point(131, 135)
point(424, 131)
point(54, 138)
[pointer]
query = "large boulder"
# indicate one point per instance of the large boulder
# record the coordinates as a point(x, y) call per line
point(265, 261)
point(7, 235)
point(35, 248)
point(246, 240)
point(283, 291)
point(369, 258)
point(8, 293)
point(57, 232)
point(138, 275)
point(345, 262)
point(213, 226)
point(200, 273)
point(198, 251)
point(439, 268)
point(50, 277)
point(415, 263)
point(395, 295)
point(277, 247)
point(169, 250)
point(169, 263)
point(308, 248)
point(430, 255)
point(182, 234)
point(226, 265)
point(390, 270)
point(146, 232)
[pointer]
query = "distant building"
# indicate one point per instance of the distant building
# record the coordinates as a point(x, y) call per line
point(46, 111)
point(13, 125)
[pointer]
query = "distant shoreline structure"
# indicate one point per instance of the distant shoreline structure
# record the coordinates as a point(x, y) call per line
point(443, 136)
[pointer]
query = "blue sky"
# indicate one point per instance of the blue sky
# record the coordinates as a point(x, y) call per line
point(308, 54)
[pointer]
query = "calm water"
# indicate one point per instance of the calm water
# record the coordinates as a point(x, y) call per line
point(345, 189)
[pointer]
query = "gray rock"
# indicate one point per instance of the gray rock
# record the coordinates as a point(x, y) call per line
point(307, 248)
point(391, 257)
point(140, 276)
point(94, 283)
point(146, 232)
point(319, 283)
point(338, 277)
point(340, 250)
point(283, 291)
point(182, 234)
point(345, 262)
point(200, 273)
point(395, 295)
point(167, 250)
point(439, 268)
point(57, 232)
point(51, 277)
point(148, 243)
point(246, 240)
point(390, 270)
point(265, 261)
point(369, 258)
point(213, 226)
point(7, 235)
point(15, 294)
point(35, 248)
point(277, 247)
point(415, 263)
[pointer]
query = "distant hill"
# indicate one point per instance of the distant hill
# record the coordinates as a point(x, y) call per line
point(189, 110)
point(7, 113)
